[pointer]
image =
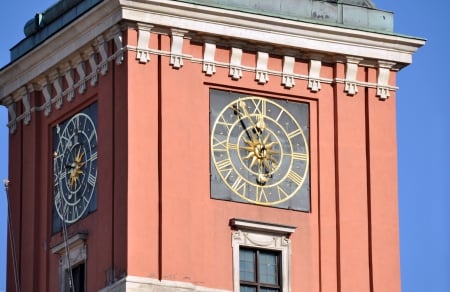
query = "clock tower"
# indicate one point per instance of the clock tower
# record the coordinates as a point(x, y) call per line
point(192, 145)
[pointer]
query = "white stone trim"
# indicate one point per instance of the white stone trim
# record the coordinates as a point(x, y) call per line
point(43, 82)
point(384, 69)
point(143, 52)
point(176, 48)
point(262, 59)
point(57, 84)
point(271, 30)
point(145, 284)
point(102, 48)
point(26, 102)
point(288, 72)
point(12, 124)
point(235, 63)
point(77, 249)
point(314, 75)
point(262, 235)
point(118, 42)
point(209, 66)
point(351, 74)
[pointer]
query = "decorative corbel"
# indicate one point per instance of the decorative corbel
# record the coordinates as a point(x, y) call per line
point(57, 84)
point(118, 42)
point(262, 75)
point(92, 59)
point(102, 48)
point(26, 106)
point(81, 70)
point(209, 65)
point(314, 75)
point(350, 75)
point(143, 51)
point(384, 69)
point(45, 88)
point(176, 49)
point(12, 124)
point(235, 63)
point(69, 76)
point(288, 72)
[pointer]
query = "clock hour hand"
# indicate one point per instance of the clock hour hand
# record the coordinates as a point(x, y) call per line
point(242, 112)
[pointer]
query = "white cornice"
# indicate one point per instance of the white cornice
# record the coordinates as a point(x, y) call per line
point(211, 22)
point(59, 47)
point(271, 30)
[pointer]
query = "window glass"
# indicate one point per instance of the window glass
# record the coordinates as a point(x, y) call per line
point(247, 289)
point(268, 267)
point(259, 270)
point(247, 265)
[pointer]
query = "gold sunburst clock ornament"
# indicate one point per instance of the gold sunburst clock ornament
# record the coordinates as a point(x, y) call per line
point(75, 166)
point(259, 150)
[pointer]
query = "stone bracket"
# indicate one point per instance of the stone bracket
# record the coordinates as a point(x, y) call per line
point(118, 42)
point(209, 66)
point(314, 75)
point(12, 117)
point(102, 48)
point(57, 84)
point(176, 49)
point(262, 75)
point(27, 106)
point(81, 70)
point(384, 69)
point(235, 63)
point(350, 75)
point(143, 51)
point(288, 72)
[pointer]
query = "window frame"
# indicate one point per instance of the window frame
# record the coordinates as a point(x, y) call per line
point(258, 283)
point(77, 248)
point(267, 236)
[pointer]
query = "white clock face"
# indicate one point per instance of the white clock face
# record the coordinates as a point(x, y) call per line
point(75, 167)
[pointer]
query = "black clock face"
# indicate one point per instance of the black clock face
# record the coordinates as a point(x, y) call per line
point(75, 166)
point(259, 150)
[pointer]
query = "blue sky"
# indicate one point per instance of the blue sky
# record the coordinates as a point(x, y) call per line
point(423, 126)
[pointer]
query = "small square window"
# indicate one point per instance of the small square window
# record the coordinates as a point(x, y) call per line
point(259, 270)
point(261, 256)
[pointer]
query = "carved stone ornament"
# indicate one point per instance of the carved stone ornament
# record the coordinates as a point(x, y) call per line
point(288, 72)
point(92, 58)
point(266, 236)
point(383, 79)
point(314, 75)
point(350, 75)
point(209, 66)
point(262, 75)
point(103, 51)
point(176, 49)
point(12, 117)
point(48, 99)
point(81, 70)
point(118, 42)
point(26, 105)
point(143, 51)
point(235, 63)
point(57, 84)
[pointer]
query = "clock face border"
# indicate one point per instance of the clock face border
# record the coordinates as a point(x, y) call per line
point(80, 161)
point(299, 200)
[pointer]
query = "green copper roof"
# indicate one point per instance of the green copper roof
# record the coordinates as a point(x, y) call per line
point(47, 23)
point(358, 14)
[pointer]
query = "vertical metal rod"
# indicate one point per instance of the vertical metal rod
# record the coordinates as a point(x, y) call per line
point(66, 239)
point(11, 237)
